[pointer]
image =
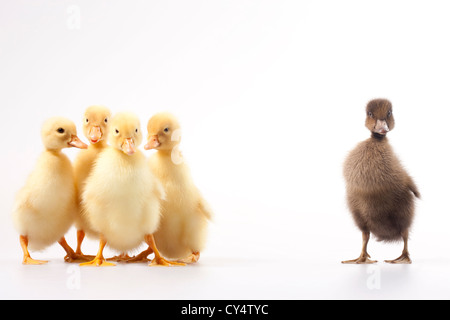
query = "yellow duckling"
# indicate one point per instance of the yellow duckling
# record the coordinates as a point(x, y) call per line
point(45, 207)
point(185, 214)
point(95, 128)
point(120, 197)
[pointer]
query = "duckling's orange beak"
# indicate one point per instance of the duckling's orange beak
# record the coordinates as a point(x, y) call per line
point(381, 127)
point(152, 143)
point(128, 146)
point(77, 143)
point(95, 134)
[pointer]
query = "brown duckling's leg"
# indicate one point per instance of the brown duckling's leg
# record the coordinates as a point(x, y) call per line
point(158, 260)
point(404, 258)
point(80, 238)
point(99, 260)
point(26, 255)
point(364, 257)
point(192, 258)
point(71, 255)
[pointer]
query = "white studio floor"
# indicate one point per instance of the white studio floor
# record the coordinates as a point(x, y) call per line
point(232, 270)
point(218, 278)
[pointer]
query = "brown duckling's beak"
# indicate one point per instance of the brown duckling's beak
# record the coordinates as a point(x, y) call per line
point(381, 127)
point(152, 143)
point(95, 134)
point(128, 146)
point(77, 143)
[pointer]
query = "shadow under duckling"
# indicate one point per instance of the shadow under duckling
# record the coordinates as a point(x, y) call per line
point(185, 214)
point(380, 193)
point(45, 207)
point(121, 196)
point(95, 128)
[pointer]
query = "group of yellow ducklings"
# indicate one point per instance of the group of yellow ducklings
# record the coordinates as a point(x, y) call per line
point(113, 192)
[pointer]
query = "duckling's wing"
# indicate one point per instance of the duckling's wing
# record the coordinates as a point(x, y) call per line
point(412, 186)
point(159, 190)
point(25, 198)
point(204, 208)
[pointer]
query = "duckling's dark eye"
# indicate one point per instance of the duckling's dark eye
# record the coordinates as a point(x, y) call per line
point(370, 114)
point(389, 113)
point(60, 130)
point(106, 120)
point(166, 129)
point(87, 120)
point(136, 130)
point(117, 131)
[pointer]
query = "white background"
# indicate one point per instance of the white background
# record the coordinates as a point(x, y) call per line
point(271, 97)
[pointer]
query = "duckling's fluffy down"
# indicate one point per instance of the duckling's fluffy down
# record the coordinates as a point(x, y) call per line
point(82, 168)
point(45, 207)
point(185, 213)
point(120, 199)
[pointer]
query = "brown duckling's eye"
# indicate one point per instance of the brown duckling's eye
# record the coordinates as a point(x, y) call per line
point(389, 113)
point(166, 130)
point(60, 130)
point(370, 114)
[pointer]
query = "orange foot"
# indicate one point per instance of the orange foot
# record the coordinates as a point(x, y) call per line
point(82, 256)
point(193, 258)
point(97, 262)
point(77, 257)
point(142, 257)
point(26, 254)
point(159, 260)
point(123, 257)
point(31, 261)
point(162, 262)
point(72, 256)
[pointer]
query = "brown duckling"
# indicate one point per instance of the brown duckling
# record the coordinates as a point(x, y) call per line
point(380, 193)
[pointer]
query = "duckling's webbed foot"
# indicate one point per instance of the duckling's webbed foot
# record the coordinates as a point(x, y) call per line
point(26, 255)
point(192, 258)
point(31, 261)
point(403, 259)
point(123, 257)
point(163, 262)
point(86, 257)
point(158, 260)
point(77, 257)
point(362, 259)
point(141, 257)
point(99, 260)
point(72, 256)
